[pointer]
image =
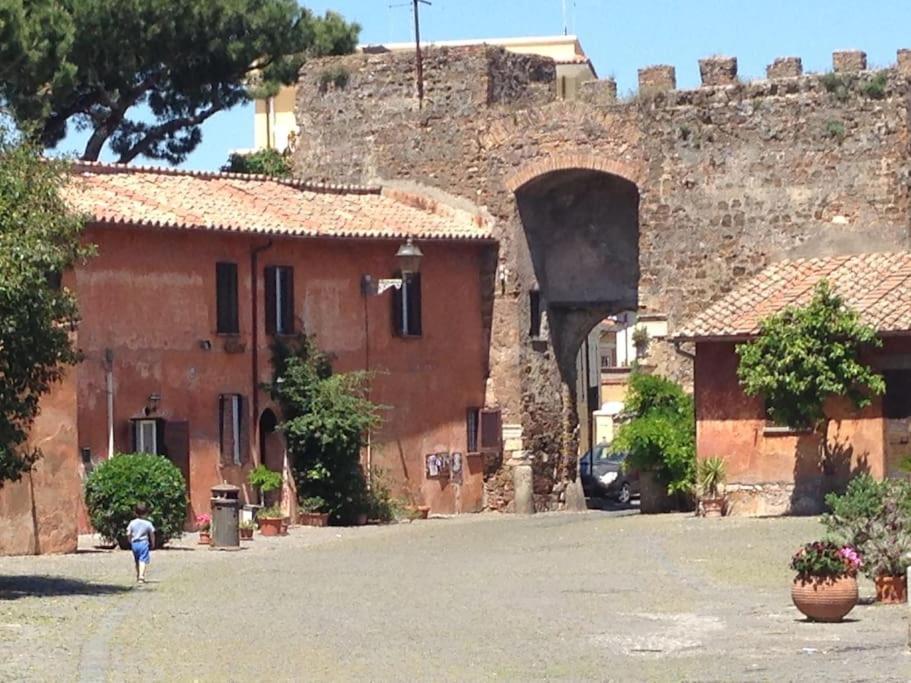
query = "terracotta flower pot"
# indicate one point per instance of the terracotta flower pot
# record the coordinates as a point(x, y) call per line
point(891, 590)
point(270, 526)
point(205, 538)
point(246, 534)
point(419, 511)
point(713, 507)
point(313, 518)
point(824, 598)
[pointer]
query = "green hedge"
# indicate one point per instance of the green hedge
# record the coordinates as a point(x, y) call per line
point(114, 488)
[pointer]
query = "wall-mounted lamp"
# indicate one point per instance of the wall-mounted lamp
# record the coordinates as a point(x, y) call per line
point(409, 257)
point(152, 404)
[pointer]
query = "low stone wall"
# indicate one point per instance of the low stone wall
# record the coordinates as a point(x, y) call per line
point(772, 499)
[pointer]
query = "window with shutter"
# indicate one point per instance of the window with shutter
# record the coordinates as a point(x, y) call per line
point(226, 298)
point(230, 416)
point(148, 436)
point(279, 289)
point(406, 306)
point(472, 423)
point(491, 431)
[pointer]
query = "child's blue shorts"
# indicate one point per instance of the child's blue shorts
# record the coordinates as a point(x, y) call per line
point(141, 551)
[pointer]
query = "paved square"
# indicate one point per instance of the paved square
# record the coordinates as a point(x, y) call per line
point(595, 596)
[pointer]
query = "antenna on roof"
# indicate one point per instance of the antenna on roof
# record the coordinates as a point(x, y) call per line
point(418, 57)
point(565, 31)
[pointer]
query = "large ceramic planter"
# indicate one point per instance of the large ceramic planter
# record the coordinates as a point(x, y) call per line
point(419, 511)
point(270, 526)
point(313, 518)
point(713, 507)
point(824, 598)
point(891, 590)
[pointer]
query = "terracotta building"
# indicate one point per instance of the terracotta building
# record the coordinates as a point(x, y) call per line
point(196, 275)
point(773, 469)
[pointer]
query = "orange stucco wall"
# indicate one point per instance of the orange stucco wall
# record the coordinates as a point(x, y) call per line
point(147, 301)
point(732, 426)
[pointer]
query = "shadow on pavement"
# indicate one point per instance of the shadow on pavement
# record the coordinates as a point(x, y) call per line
point(610, 505)
point(23, 586)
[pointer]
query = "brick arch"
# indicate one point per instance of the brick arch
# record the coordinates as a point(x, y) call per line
point(565, 162)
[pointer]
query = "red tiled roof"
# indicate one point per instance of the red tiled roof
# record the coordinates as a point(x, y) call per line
point(876, 286)
point(232, 202)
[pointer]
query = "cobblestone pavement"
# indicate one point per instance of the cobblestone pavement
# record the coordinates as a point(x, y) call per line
point(594, 596)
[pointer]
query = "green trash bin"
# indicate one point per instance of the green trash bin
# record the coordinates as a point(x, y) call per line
point(225, 504)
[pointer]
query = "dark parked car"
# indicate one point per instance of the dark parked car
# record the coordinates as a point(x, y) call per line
point(603, 475)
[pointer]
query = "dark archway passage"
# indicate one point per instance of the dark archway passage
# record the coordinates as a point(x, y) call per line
point(581, 229)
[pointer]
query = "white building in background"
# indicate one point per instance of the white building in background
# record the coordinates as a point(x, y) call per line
point(275, 123)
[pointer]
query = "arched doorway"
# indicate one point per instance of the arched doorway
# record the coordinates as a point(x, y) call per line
point(581, 248)
point(271, 449)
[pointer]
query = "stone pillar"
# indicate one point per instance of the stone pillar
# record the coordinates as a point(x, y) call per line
point(903, 63)
point(847, 61)
point(655, 79)
point(718, 70)
point(602, 91)
point(523, 482)
point(785, 67)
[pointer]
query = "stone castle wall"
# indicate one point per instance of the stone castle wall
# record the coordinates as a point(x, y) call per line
point(731, 176)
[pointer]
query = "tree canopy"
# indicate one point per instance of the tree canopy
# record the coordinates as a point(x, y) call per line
point(807, 354)
point(144, 75)
point(39, 239)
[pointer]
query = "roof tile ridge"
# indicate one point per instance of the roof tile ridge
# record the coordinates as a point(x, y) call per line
point(296, 182)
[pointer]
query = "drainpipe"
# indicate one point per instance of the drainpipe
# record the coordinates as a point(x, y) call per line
point(109, 384)
point(254, 308)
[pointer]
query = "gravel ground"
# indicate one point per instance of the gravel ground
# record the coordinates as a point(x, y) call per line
point(593, 596)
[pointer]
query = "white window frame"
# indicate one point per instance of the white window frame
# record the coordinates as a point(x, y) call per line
point(141, 436)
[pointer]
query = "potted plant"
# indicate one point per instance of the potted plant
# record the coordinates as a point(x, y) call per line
point(264, 479)
point(271, 520)
point(825, 588)
point(246, 531)
point(875, 517)
point(204, 526)
point(710, 477)
point(311, 511)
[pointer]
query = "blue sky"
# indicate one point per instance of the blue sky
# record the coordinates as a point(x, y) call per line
point(619, 36)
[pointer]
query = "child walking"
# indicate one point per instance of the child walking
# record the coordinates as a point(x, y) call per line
point(142, 538)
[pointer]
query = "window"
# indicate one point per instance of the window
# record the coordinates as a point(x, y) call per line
point(897, 401)
point(406, 306)
point(491, 430)
point(230, 414)
point(146, 436)
point(279, 300)
point(534, 305)
point(226, 298)
point(472, 420)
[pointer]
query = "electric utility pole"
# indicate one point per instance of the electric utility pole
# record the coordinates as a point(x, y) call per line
point(418, 58)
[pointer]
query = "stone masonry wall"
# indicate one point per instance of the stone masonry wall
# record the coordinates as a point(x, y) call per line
point(731, 177)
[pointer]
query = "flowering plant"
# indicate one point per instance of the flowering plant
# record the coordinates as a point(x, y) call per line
point(825, 558)
point(203, 522)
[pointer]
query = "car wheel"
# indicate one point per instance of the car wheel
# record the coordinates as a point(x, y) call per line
point(625, 494)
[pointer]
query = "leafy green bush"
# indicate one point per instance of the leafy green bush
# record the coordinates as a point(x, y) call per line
point(805, 355)
point(661, 436)
point(874, 517)
point(114, 488)
point(264, 479)
point(875, 88)
point(327, 417)
point(269, 162)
